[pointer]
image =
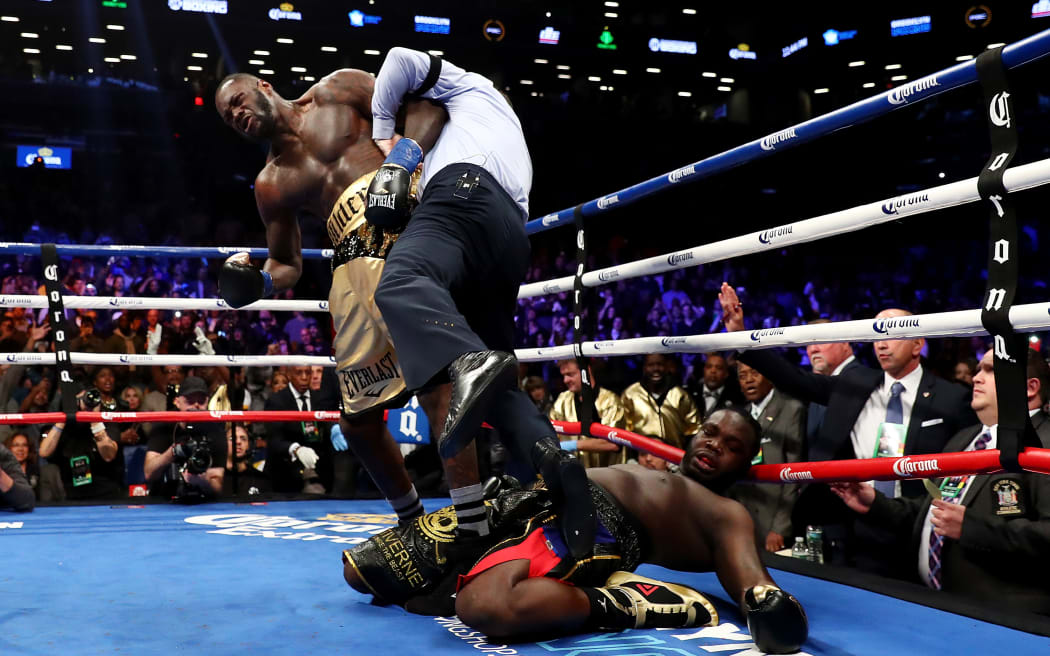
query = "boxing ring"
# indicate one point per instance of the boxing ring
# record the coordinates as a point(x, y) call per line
point(264, 577)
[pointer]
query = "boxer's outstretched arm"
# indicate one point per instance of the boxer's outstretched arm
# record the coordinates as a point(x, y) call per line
point(732, 543)
point(285, 263)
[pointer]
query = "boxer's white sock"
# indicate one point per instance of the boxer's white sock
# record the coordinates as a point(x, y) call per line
point(407, 506)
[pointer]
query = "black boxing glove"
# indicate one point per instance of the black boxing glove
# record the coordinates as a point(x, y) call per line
point(240, 283)
point(776, 620)
point(389, 193)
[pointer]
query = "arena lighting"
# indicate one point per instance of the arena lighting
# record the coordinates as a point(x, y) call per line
point(672, 46)
point(898, 78)
point(794, 47)
point(995, 45)
point(262, 53)
point(727, 80)
point(822, 90)
point(199, 55)
point(964, 58)
point(31, 51)
point(723, 88)
point(868, 85)
point(526, 82)
point(855, 64)
point(329, 49)
point(709, 74)
point(29, 35)
point(652, 70)
point(52, 157)
point(372, 52)
point(593, 78)
point(563, 76)
point(892, 67)
point(112, 60)
point(603, 88)
point(115, 28)
point(611, 14)
point(256, 62)
point(685, 94)
point(612, 4)
point(309, 78)
point(96, 39)
point(619, 71)
point(834, 37)
point(129, 57)
point(284, 39)
point(433, 24)
point(286, 11)
point(194, 68)
point(265, 71)
point(1041, 9)
point(549, 36)
point(199, 6)
point(436, 53)
point(562, 67)
point(298, 69)
point(9, 19)
point(691, 12)
point(62, 46)
point(540, 61)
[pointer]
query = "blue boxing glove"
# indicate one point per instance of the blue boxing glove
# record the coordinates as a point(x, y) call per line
point(776, 619)
point(389, 193)
point(338, 441)
point(240, 283)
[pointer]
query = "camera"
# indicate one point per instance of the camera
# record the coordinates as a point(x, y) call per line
point(192, 451)
point(92, 397)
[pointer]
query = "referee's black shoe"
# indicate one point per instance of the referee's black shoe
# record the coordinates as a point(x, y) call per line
point(477, 378)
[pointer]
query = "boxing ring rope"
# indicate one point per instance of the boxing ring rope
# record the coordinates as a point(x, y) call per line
point(935, 465)
point(105, 250)
point(1025, 318)
point(39, 302)
point(836, 223)
point(1013, 55)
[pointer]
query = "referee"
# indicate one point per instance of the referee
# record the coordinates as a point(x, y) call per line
point(450, 284)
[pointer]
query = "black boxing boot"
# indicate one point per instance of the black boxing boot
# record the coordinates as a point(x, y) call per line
point(476, 380)
point(567, 481)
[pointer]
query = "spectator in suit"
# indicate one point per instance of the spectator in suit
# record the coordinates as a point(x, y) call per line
point(901, 410)
point(718, 389)
point(829, 359)
point(657, 408)
point(299, 454)
point(783, 421)
point(593, 452)
point(987, 536)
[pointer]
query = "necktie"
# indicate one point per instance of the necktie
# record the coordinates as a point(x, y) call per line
point(894, 415)
point(937, 541)
point(304, 402)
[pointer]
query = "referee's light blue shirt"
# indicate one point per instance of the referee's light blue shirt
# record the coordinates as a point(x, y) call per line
point(482, 128)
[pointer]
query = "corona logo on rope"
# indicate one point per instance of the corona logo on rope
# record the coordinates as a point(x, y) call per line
point(677, 258)
point(549, 220)
point(668, 342)
point(769, 236)
point(608, 201)
point(327, 252)
point(51, 272)
point(219, 414)
point(900, 95)
point(884, 326)
point(891, 207)
point(611, 274)
point(551, 288)
point(681, 174)
point(322, 305)
point(907, 466)
point(113, 416)
point(787, 475)
point(606, 345)
point(770, 142)
point(757, 335)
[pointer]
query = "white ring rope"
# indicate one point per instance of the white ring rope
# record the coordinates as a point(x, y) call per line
point(149, 303)
point(836, 223)
point(1025, 318)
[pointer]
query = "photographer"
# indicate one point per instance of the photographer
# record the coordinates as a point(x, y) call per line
point(185, 461)
point(86, 455)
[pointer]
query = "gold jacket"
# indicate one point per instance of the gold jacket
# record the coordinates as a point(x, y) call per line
point(671, 422)
point(610, 413)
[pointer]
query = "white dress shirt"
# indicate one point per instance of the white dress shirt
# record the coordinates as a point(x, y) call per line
point(482, 127)
point(866, 429)
point(299, 397)
point(709, 400)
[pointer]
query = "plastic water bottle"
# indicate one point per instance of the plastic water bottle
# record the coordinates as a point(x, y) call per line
point(800, 550)
point(815, 543)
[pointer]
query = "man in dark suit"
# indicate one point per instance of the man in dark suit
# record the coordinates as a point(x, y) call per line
point(901, 410)
point(299, 454)
point(830, 359)
point(783, 422)
point(987, 536)
point(718, 388)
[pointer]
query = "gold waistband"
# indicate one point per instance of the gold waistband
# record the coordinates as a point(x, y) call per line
point(348, 214)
